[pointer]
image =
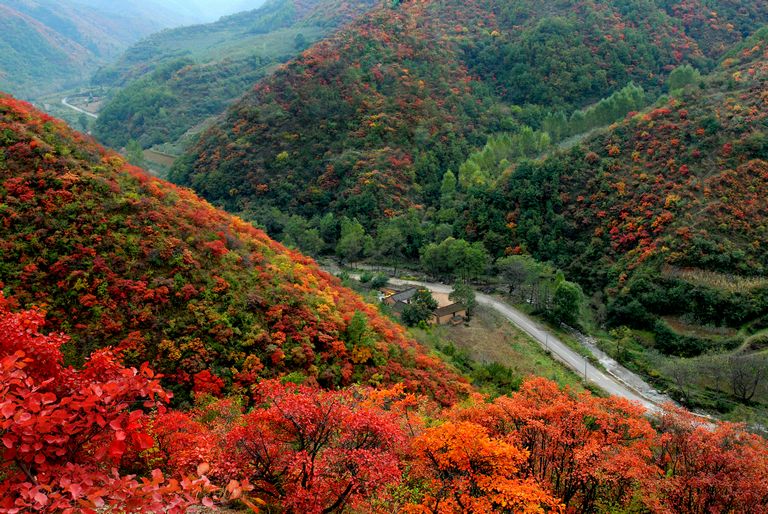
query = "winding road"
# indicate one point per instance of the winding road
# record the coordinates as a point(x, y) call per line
point(619, 381)
point(78, 109)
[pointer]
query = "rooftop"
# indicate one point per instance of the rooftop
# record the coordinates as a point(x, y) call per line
point(404, 295)
point(449, 309)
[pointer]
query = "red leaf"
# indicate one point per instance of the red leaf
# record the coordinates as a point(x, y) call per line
point(116, 449)
point(7, 409)
point(41, 498)
point(144, 441)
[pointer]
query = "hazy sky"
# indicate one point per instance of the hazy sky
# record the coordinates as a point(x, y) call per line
point(215, 9)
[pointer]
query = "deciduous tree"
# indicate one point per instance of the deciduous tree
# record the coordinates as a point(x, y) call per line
point(313, 451)
point(471, 471)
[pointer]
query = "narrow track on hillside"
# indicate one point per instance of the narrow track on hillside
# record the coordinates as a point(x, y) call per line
point(612, 383)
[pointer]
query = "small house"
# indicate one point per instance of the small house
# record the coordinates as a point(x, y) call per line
point(402, 296)
point(385, 293)
point(454, 313)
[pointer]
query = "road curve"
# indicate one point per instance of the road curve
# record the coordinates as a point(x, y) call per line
point(78, 109)
point(549, 342)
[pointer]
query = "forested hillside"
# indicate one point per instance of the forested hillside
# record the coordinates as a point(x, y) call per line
point(513, 150)
point(46, 44)
point(367, 122)
point(117, 258)
point(282, 391)
point(666, 209)
point(172, 81)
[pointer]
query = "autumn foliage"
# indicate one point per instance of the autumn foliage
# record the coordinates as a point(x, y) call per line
point(80, 439)
point(541, 449)
point(66, 432)
point(470, 471)
point(121, 259)
point(315, 451)
point(720, 469)
point(298, 397)
point(663, 211)
point(368, 120)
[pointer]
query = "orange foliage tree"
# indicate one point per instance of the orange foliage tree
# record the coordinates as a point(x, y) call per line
point(589, 452)
point(470, 471)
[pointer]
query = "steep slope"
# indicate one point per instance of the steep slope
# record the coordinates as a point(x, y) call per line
point(367, 122)
point(46, 44)
point(172, 81)
point(118, 258)
point(667, 209)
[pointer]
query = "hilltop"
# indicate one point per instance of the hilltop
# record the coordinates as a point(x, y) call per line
point(115, 257)
point(366, 122)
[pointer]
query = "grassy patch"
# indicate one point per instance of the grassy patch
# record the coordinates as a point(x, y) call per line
point(731, 283)
point(494, 354)
point(682, 327)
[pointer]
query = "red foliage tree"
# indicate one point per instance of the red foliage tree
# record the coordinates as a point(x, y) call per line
point(314, 451)
point(208, 383)
point(64, 431)
point(588, 449)
point(708, 469)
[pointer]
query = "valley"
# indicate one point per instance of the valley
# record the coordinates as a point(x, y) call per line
point(476, 197)
point(352, 256)
point(88, 108)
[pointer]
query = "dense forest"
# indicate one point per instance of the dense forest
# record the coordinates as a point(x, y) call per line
point(668, 201)
point(300, 448)
point(368, 121)
point(330, 154)
point(638, 174)
point(248, 335)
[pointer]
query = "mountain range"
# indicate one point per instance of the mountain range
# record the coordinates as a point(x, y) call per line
point(49, 45)
point(173, 81)
point(369, 119)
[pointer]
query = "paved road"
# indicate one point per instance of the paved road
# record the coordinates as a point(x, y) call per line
point(559, 350)
point(78, 109)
